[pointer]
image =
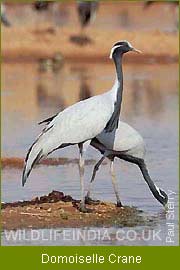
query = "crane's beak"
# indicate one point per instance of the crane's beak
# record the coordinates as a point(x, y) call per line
point(135, 50)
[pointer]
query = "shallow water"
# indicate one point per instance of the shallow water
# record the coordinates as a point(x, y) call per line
point(150, 104)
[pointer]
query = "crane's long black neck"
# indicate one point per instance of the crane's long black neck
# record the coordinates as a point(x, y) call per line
point(114, 120)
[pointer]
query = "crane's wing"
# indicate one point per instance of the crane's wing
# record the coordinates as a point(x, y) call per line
point(48, 120)
point(78, 123)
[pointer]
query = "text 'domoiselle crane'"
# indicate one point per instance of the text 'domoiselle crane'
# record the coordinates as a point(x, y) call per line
point(81, 122)
point(128, 145)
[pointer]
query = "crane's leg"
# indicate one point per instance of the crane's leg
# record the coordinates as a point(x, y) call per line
point(82, 149)
point(159, 194)
point(96, 168)
point(114, 182)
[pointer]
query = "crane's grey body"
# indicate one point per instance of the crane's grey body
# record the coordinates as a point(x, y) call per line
point(126, 140)
point(81, 122)
point(75, 125)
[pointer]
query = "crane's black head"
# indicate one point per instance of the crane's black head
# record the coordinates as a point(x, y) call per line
point(121, 47)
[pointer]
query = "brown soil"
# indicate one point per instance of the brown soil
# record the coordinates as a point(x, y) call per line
point(18, 163)
point(59, 210)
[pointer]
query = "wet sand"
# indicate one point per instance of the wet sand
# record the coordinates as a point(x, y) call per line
point(59, 210)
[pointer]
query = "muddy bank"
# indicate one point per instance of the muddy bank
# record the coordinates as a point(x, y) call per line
point(59, 210)
point(31, 44)
point(18, 163)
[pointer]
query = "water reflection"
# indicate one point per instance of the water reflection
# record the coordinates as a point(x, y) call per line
point(50, 78)
point(34, 91)
point(146, 91)
point(85, 91)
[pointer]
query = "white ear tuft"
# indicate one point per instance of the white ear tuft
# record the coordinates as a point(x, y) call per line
point(113, 49)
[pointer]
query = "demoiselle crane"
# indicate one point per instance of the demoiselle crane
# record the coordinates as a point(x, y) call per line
point(4, 18)
point(149, 3)
point(81, 122)
point(86, 11)
point(41, 5)
point(128, 145)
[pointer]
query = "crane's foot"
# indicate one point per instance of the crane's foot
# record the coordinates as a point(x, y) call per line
point(90, 201)
point(119, 204)
point(83, 209)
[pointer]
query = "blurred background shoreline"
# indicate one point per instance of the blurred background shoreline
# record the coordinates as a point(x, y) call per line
point(42, 34)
